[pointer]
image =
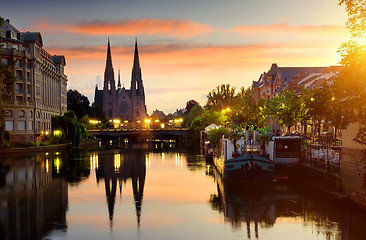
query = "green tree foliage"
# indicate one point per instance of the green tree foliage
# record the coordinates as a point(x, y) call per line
point(350, 86)
point(207, 118)
point(71, 128)
point(246, 111)
point(7, 85)
point(221, 97)
point(356, 10)
point(215, 135)
point(77, 103)
point(195, 112)
point(287, 106)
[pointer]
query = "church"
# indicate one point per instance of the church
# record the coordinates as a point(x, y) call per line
point(123, 104)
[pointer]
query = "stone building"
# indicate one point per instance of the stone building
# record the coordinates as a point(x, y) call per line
point(121, 103)
point(40, 88)
point(271, 81)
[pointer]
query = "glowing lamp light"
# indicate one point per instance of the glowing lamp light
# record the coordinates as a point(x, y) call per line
point(46, 133)
point(57, 133)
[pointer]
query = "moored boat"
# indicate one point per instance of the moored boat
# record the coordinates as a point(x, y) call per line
point(241, 160)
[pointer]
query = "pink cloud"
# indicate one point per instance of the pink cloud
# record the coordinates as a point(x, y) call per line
point(131, 27)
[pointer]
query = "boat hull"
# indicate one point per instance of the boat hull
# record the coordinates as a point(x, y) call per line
point(246, 168)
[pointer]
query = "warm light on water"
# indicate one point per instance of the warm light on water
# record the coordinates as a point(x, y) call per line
point(170, 195)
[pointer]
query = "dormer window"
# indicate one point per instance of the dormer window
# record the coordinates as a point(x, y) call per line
point(13, 35)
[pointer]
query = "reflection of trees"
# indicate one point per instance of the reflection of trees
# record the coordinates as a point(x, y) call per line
point(74, 166)
point(117, 168)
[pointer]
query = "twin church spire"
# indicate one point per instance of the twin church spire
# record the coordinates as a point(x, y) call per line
point(109, 65)
point(118, 102)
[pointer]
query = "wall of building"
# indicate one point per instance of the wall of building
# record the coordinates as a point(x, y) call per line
point(40, 87)
point(353, 166)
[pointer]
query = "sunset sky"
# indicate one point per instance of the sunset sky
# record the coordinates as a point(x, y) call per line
point(186, 48)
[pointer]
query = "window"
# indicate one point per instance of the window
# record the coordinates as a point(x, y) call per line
point(16, 46)
point(13, 35)
point(8, 113)
point(2, 33)
point(21, 113)
point(21, 125)
point(9, 125)
point(30, 125)
point(30, 114)
point(5, 61)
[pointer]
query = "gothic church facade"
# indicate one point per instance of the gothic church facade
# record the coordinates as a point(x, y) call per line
point(123, 104)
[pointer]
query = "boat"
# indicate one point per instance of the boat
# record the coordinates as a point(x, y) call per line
point(284, 150)
point(243, 160)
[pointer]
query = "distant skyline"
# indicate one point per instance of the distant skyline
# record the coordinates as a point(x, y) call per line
point(186, 48)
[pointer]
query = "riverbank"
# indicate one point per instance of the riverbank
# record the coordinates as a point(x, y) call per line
point(50, 148)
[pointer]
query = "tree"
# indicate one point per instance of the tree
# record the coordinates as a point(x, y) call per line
point(246, 110)
point(77, 103)
point(71, 128)
point(190, 104)
point(350, 86)
point(207, 118)
point(221, 97)
point(195, 112)
point(286, 106)
point(7, 85)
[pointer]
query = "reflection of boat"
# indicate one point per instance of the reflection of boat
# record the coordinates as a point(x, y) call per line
point(251, 203)
point(242, 162)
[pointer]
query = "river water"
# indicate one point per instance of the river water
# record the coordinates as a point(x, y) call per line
point(169, 194)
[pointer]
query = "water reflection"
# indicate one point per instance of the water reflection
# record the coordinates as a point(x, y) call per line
point(117, 167)
point(31, 201)
point(249, 203)
point(259, 206)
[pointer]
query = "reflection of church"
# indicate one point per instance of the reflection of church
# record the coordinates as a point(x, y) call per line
point(118, 168)
point(121, 103)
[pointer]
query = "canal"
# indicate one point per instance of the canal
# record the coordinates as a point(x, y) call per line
point(168, 194)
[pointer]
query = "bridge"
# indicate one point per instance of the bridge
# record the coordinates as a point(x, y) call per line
point(116, 136)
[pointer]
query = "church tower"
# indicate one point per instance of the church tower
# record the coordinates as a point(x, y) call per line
point(109, 88)
point(137, 89)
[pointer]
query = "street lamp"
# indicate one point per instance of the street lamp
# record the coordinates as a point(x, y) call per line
point(147, 123)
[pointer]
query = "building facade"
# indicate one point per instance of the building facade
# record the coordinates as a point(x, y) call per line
point(127, 105)
point(40, 88)
point(270, 82)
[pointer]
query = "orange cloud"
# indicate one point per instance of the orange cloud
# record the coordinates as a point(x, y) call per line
point(130, 27)
point(200, 67)
point(285, 28)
